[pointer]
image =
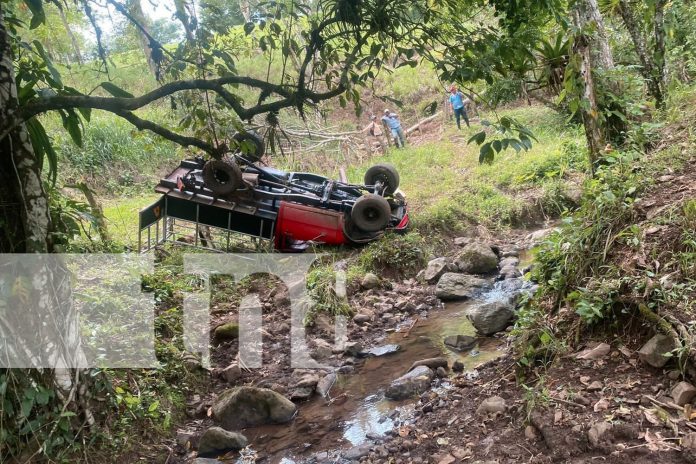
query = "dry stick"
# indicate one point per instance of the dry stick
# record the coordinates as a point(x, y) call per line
point(408, 331)
point(665, 405)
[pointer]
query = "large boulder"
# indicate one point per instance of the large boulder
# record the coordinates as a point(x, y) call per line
point(452, 286)
point(491, 317)
point(477, 258)
point(436, 268)
point(216, 440)
point(411, 384)
point(250, 406)
point(655, 350)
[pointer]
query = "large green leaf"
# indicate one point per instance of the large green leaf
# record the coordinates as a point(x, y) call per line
point(115, 90)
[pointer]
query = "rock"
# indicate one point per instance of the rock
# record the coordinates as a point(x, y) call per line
point(184, 437)
point(216, 440)
point(453, 286)
point(354, 454)
point(477, 258)
point(301, 393)
point(458, 366)
point(597, 352)
point(462, 241)
point(530, 433)
point(689, 441)
point(231, 373)
point(323, 348)
point(539, 235)
point(381, 350)
point(492, 405)
point(595, 386)
point(249, 406)
point(228, 331)
point(206, 461)
point(306, 381)
point(460, 342)
point(325, 384)
point(352, 348)
point(435, 269)
point(597, 432)
point(654, 351)
point(441, 372)
point(490, 318)
point(683, 393)
point(362, 318)
point(413, 383)
point(513, 253)
point(510, 272)
point(432, 363)
point(369, 281)
point(509, 261)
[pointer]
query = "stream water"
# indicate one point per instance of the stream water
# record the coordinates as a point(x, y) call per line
point(356, 409)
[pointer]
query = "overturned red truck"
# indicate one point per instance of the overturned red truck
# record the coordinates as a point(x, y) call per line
point(238, 196)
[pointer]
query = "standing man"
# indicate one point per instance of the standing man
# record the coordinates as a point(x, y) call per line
point(391, 121)
point(458, 103)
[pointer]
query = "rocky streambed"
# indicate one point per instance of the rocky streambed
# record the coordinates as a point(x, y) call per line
point(407, 340)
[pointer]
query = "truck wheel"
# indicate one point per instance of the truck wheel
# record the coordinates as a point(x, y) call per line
point(222, 177)
point(386, 173)
point(252, 145)
point(371, 213)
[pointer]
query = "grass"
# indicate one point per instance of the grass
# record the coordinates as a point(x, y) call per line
point(122, 216)
point(446, 186)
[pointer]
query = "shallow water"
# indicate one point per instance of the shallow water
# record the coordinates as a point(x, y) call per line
point(357, 408)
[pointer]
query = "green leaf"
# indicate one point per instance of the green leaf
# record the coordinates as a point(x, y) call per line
point(55, 80)
point(248, 27)
point(115, 90)
point(486, 154)
point(497, 146)
point(38, 16)
point(71, 122)
point(478, 138)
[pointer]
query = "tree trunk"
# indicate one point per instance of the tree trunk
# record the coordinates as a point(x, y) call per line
point(582, 15)
point(73, 39)
point(660, 74)
point(652, 72)
point(24, 201)
point(183, 16)
point(245, 8)
point(600, 40)
point(136, 11)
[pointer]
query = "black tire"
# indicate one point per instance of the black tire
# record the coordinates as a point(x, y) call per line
point(222, 177)
point(259, 147)
point(371, 213)
point(386, 173)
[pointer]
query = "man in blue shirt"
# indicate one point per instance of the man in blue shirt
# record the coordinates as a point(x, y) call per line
point(458, 103)
point(391, 121)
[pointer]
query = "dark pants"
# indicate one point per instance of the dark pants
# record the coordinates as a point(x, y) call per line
point(461, 113)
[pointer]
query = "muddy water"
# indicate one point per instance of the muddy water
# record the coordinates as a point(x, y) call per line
point(356, 408)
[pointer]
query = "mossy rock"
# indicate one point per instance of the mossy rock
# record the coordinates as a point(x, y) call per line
point(228, 331)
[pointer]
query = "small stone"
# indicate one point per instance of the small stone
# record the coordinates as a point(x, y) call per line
point(217, 440)
point(301, 393)
point(228, 331)
point(492, 405)
point(353, 348)
point(413, 383)
point(595, 386)
point(453, 286)
point(673, 374)
point(370, 281)
point(654, 351)
point(432, 363)
point(435, 269)
point(458, 366)
point(597, 432)
point(460, 342)
point(530, 433)
point(231, 373)
point(683, 393)
point(325, 384)
point(441, 372)
point(462, 241)
point(206, 461)
point(323, 348)
point(354, 454)
point(183, 437)
point(362, 318)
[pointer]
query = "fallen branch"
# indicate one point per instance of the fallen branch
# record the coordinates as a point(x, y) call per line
point(417, 126)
